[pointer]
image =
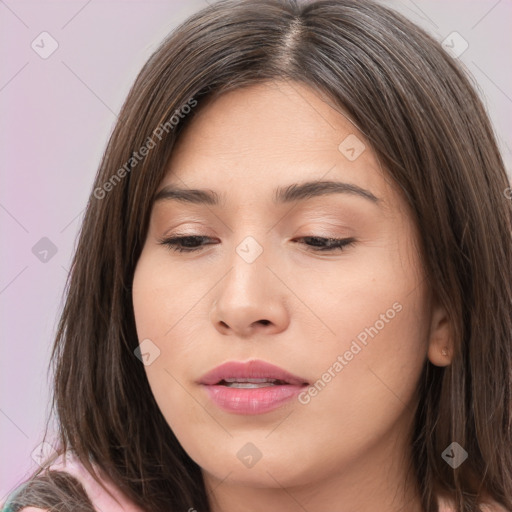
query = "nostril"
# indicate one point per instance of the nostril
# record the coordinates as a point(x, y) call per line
point(265, 322)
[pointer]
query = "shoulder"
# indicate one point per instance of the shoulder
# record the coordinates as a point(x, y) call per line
point(111, 499)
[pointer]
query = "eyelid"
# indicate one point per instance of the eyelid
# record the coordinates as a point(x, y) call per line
point(331, 245)
point(325, 230)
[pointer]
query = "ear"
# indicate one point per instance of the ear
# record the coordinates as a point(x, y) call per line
point(440, 345)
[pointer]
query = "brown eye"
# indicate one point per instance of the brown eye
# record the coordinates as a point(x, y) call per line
point(321, 244)
point(192, 243)
point(187, 243)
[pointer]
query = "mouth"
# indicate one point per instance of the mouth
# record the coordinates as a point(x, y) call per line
point(251, 383)
point(249, 374)
point(252, 387)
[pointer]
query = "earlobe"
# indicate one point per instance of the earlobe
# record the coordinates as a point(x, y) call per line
point(440, 349)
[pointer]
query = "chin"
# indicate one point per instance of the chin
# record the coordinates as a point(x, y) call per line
point(268, 472)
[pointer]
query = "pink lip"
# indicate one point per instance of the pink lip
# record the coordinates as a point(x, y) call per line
point(251, 400)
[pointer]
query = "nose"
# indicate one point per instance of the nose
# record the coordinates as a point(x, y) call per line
point(250, 300)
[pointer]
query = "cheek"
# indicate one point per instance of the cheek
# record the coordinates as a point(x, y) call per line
point(166, 322)
point(373, 344)
point(374, 365)
point(164, 301)
point(367, 375)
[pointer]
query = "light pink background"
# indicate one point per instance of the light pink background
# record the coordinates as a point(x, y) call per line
point(56, 115)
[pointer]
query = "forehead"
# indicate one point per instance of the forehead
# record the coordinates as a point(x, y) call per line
point(265, 136)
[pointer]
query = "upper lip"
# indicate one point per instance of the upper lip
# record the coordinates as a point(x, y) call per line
point(253, 369)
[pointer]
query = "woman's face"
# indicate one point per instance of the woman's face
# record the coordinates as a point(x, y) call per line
point(351, 324)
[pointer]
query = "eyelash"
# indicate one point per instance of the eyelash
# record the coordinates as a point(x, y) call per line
point(336, 244)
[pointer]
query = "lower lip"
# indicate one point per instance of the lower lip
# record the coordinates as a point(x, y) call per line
point(252, 401)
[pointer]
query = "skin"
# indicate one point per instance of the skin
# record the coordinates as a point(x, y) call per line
point(349, 444)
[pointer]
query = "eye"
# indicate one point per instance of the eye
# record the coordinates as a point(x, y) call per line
point(184, 243)
point(321, 244)
point(191, 243)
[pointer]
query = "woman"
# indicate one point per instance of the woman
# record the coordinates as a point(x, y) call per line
point(293, 282)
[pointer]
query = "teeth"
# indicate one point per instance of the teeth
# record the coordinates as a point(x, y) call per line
point(243, 383)
point(250, 385)
point(253, 381)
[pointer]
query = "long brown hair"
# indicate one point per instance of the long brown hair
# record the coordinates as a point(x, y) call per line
point(417, 108)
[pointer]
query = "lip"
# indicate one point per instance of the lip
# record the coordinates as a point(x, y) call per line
point(251, 400)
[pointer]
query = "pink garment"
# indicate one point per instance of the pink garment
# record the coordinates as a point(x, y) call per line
point(101, 500)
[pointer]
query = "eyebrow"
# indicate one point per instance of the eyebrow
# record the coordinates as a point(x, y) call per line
point(282, 195)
